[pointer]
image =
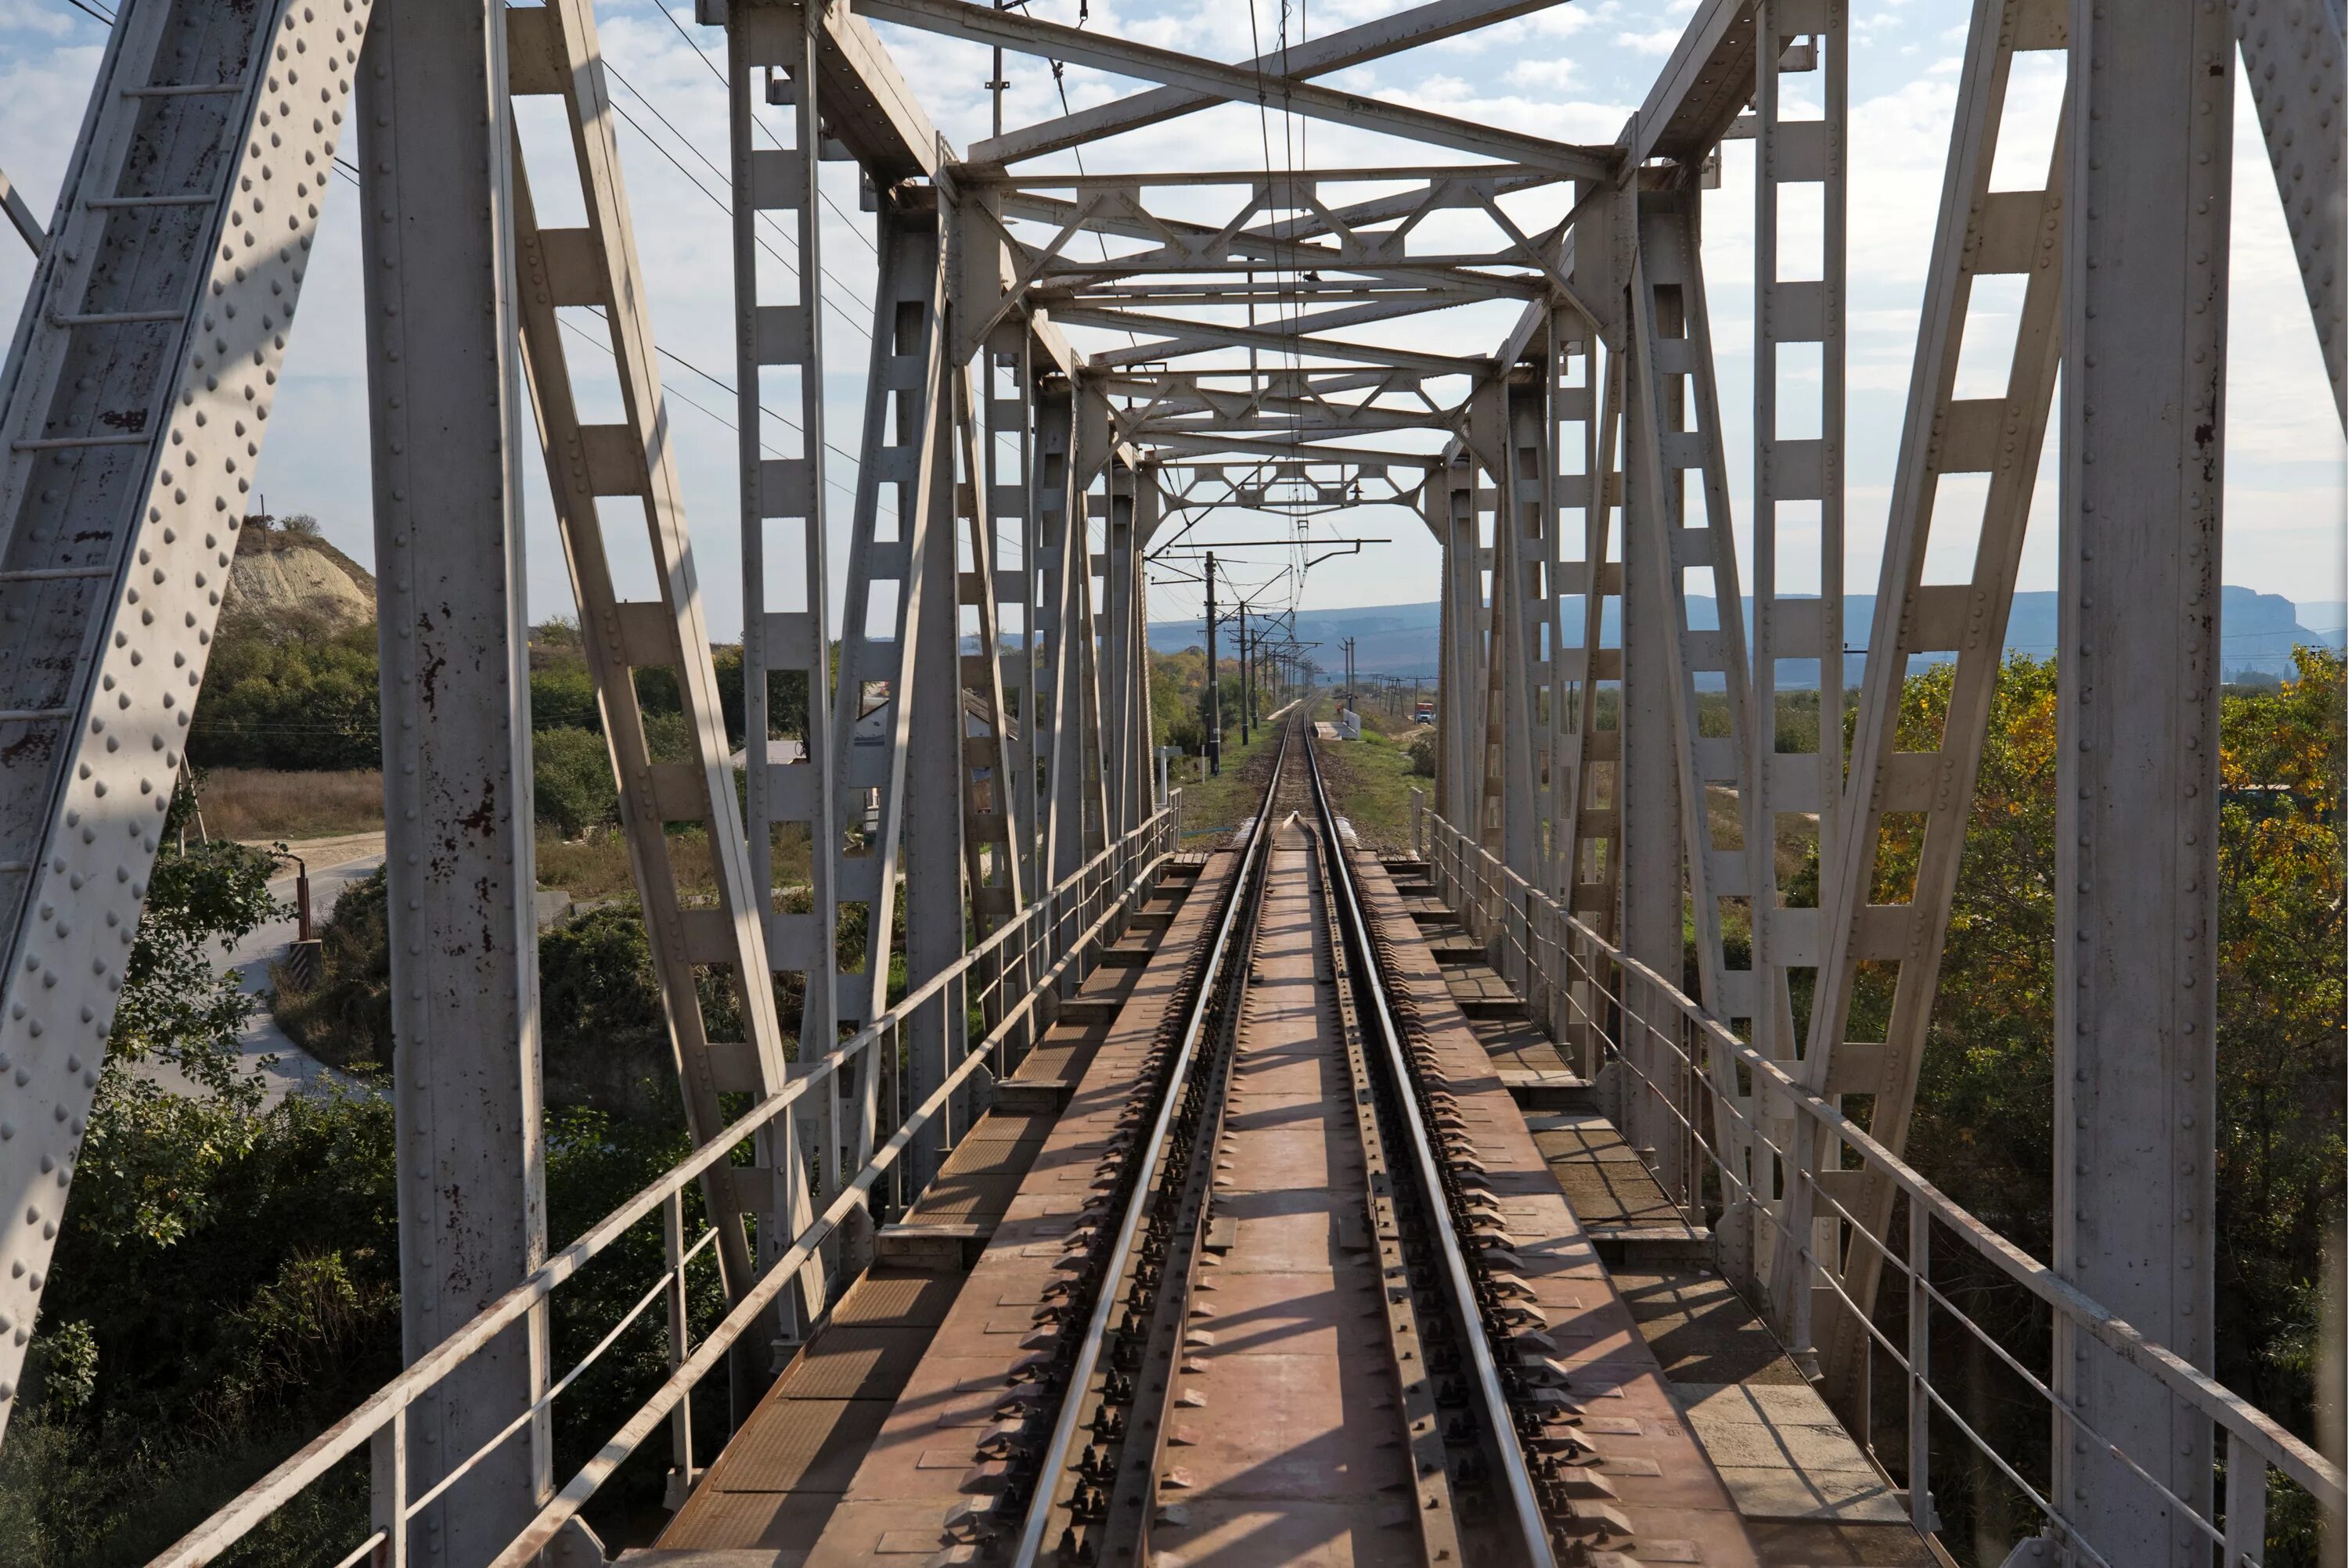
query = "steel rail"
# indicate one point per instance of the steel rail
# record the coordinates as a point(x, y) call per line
point(1123, 1529)
point(1055, 1464)
point(1532, 1523)
point(1415, 1397)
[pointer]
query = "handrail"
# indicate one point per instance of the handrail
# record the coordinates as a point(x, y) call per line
point(2259, 1433)
point(1146, 848)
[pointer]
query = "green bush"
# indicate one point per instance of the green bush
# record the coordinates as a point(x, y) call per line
point(1422, 756)
point(562, 697)
point(289, 692)
point(572, 774)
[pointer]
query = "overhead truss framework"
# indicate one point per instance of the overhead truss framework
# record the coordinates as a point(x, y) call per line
point(1282, 341)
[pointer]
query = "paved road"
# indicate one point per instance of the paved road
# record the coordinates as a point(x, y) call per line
point(294, 1067)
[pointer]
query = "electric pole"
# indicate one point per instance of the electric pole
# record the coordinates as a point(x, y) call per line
point(1244, 705)
point(1214, 688)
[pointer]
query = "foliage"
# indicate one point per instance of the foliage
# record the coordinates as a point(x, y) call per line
point(1984, 1123)
point(224, 1278)
point(2281, 1010)
point(289, 692)
point(571, 772)
point(286, 692)
point(227, 1279)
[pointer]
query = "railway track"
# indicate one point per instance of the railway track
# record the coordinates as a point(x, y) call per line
point(1287, 1329)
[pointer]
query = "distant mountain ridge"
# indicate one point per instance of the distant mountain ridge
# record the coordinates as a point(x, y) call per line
point(2259, 633)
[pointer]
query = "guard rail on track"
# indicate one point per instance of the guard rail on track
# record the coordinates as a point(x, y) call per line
point(1613, 1012)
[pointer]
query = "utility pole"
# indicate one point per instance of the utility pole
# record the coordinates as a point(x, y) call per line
point(1245, 716)
point(1214, 689)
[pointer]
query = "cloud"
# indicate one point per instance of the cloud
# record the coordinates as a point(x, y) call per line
point(1540, 73)
point(1658, 42)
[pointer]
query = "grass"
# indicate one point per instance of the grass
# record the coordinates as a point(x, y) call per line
point(597, 866)
point(1212, 807)
point(262, 805)
point(1370, 783)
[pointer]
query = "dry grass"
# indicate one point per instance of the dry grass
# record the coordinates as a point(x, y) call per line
point(258, 805)
point(1796, 835)
point(597, 866)
point(1370, 783)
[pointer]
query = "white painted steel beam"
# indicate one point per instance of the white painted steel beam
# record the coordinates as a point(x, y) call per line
point(2292, 59)
point(1647, 776)
point(1980, 233)
point(2135, 856)
point(1214, 78)
point(1340, 50)
point(929, 702)
point(878, 656)
point(1795, 152)
point(444, 381)
point(112, 561)
point(1178, 338)
point(552, 50)
point(791, 805)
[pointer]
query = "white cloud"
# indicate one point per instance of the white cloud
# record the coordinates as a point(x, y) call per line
point(1658, 42)
point(1554, 74)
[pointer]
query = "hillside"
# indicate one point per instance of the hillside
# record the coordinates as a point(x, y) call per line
point(283, 573)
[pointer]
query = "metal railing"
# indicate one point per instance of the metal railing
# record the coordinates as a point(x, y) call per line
point(1685, 1067)
point(1055, 938)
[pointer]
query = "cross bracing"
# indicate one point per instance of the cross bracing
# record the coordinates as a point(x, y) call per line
point(1068, 372)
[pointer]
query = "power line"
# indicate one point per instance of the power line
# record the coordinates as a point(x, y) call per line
point(722, 204)
point(711, 65)
point(726, 388)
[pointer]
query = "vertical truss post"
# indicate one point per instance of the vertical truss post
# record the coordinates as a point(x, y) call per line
point(1119, 644)
point(552, 50)
point(2136, 893)
point(1487, 444)
point(446, 426)
point(997, 882)
point(941, 804)
point(1052, 499)
point(1967, 453)
point(1593, 869)
point(1524, 552)
point(1149, 508)
point(904, 491)
point(114, 561)
point(1676, 431)
point(1009, 393)
point(1068, 719)
point(1791, 475)
point(1459, 677)
point(1646, 783)
point(786, 652)
point(1575, 491)
point(907, 463)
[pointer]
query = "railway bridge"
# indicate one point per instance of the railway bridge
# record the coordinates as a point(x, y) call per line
point(1132, 1192)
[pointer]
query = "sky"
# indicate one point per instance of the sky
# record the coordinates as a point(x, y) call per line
point(1574, 73)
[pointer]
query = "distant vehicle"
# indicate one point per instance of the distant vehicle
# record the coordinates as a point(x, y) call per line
point(1424, 714)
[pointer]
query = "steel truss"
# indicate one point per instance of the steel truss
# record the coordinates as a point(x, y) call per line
point(1008, 495)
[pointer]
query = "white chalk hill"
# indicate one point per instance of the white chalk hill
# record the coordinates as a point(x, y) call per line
point(284, 574)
